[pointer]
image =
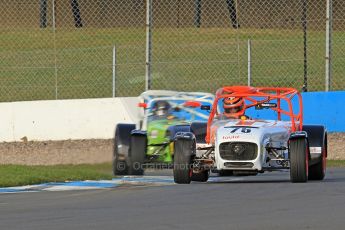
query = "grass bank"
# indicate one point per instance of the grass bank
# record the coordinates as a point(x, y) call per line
point(78, 63)
point(16, 175)
point(336, 163)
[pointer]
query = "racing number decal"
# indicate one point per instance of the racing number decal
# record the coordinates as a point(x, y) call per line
point(243, 130)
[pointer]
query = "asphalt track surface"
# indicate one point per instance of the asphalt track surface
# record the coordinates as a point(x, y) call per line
point(268, 201)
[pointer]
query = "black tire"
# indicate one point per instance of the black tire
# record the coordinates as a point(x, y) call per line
point(122, 138)
point(318, 171)
point(183, 155)
point(120, 168)
point(298, 151)
point(137, 153)
point(201, 177)
point(199, 129)
point(317, 137)
point(172, 130)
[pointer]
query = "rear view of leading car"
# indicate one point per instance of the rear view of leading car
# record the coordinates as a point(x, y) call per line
point(246, 146)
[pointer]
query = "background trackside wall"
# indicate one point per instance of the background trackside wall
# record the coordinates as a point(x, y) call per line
point(64, 119)
point(326, 108)
point(97, 118)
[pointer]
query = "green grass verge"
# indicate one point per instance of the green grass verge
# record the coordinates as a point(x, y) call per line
point(16, 175)
point(79, 62)
point(335, 163)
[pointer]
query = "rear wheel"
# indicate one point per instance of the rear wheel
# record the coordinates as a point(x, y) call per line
point(299, 160)
point(183, 154)
point(137, 152)
point(317, 137)
point(318, 171)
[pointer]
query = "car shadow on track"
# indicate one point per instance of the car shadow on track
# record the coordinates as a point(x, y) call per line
point(333, 175)
point(245, 181)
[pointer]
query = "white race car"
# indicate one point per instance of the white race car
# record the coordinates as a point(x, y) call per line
point(247, 146)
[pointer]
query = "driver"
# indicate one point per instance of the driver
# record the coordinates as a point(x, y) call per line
point(161, 108)
point(233, 107)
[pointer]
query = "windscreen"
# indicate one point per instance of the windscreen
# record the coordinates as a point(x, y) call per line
point(177, 109)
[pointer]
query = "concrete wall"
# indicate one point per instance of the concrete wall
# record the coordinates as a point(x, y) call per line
point(65, 119)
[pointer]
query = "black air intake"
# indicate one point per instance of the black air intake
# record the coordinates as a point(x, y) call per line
point(238, 164)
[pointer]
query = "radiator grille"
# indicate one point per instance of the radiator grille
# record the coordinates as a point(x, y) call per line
point(238, 151)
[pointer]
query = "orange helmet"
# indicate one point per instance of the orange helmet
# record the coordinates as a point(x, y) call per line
point(233, 107)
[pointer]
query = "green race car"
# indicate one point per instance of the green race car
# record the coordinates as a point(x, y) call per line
point(163, 114)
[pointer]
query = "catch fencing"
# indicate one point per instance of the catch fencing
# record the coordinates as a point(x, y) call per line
point(62, 49)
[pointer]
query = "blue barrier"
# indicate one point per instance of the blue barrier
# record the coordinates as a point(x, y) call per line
point(325, 108)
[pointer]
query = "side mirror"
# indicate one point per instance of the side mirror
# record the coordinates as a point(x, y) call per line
point(205, 107)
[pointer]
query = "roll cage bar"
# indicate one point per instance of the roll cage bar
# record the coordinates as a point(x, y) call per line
point(253, 95)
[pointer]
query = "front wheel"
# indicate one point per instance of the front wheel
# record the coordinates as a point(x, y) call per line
point(183, 154)
point(120, 148)
point(137, 153)
point(299, 160)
